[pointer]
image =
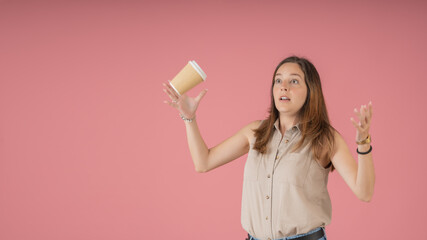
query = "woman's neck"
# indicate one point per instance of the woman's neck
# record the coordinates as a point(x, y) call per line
point(287, 122)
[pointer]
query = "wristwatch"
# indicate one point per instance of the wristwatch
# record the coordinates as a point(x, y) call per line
point(367, 140)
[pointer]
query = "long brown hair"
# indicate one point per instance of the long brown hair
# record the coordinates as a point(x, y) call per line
point(314, 121)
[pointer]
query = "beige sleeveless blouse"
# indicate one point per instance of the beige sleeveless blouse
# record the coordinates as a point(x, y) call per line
point(284, 193)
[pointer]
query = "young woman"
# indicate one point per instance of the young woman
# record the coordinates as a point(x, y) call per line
point(290, 155)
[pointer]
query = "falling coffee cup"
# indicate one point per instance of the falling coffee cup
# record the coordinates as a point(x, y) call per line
point(187, 78)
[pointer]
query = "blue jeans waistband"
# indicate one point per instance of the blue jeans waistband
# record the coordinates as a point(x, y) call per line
point(296, 236)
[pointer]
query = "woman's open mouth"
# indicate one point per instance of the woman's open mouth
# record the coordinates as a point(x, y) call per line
point(284, 99)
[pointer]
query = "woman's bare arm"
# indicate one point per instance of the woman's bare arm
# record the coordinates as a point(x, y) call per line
point(206, 159)
point(360, 177)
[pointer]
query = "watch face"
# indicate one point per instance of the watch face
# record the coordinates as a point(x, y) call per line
point(367, 140)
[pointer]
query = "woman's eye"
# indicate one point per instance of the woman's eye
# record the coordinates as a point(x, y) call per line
point(278, 80)
point(294, 81)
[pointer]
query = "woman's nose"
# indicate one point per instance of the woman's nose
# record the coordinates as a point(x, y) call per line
point(284, 88)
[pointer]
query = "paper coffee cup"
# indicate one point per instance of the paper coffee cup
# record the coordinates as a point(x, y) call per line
point(187, 78)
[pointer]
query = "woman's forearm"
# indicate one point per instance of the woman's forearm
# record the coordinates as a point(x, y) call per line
point(198, 149)
point(365, 181)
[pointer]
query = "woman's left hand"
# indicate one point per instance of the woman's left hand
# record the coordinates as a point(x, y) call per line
point(362, 127)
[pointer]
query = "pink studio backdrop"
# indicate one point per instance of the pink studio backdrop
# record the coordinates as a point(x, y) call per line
point(88, 149)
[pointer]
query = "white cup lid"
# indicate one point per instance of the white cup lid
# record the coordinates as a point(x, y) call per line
point(198, 69)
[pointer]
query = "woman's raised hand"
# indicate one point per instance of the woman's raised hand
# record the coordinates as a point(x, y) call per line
point(362, 127)
point(184, 104)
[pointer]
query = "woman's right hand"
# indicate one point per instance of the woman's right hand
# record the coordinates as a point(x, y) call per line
point(184, 104)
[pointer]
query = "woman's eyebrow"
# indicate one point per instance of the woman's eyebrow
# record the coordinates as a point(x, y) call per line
point(292, 74)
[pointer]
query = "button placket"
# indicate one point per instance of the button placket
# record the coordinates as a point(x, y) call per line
point(282, 145)
point(270, 177)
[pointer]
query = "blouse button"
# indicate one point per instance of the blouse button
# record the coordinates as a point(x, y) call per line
point(286, 141)
point(267, 197)
point(268, 176)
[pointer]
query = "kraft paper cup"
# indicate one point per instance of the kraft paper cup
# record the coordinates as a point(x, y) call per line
point(187, 78)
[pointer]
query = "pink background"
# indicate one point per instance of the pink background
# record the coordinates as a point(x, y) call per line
point(88, 149)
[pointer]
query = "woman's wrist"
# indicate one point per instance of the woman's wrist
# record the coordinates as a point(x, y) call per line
point(364, 141)
point(187, 119)
point(363, 147)
point(364, 152)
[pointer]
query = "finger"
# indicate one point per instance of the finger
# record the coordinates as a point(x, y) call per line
point(169, 94)
point(170, 104)
point(368, 114)
point(370, 108)
point(357, 112)
point(363, 115)
point(170, 91)
point(169, 85)
point(356, 125)
point(172, 95)
point(201, 95)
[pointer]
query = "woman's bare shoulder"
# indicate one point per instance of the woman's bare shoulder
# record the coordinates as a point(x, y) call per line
point(250, 128)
